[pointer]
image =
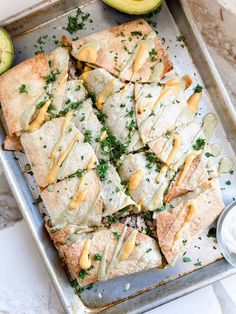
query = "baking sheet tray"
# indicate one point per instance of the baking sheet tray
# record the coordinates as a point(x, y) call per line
point(154, 287)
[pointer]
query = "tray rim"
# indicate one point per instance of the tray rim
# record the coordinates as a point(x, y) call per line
point(25, 207)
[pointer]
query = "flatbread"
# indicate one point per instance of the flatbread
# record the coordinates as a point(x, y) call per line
point(144, 256)
point(114, 48)
point(39, 145)
point(88, 212)
point(23, 87)
point(209, 205)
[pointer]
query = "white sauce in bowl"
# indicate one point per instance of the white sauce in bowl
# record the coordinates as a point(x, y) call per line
point(229, 230)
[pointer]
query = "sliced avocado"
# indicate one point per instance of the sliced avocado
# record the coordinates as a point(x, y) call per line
point(134, 6)
point(6, 51)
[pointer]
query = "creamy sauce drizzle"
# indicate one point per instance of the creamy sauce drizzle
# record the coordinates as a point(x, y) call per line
point(141, 57)
point(128, 246)
point(209, 124)
point(192, 206)
point(135, 180)
point(176, 147)
point(102, 266)
point(108, 90)
point(188, 161)
point(80, 195)
point(88, 52)
point(85, 260)
point(194, 100)
point(225, 165)
point(41, 117)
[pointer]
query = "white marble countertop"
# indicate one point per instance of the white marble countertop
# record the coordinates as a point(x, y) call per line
point(25, 286)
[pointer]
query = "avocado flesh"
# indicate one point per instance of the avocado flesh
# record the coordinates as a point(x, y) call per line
point(134, 6)
point(6, 51)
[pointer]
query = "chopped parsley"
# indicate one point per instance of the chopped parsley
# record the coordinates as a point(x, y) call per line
point(198, 89)
point(131, 126)
point(92, 96)
point(78, 88)
point(102, 169)
point(77, 22)
point(200, 143)
point(207, 154)
point(186, 259)
point(88, 136)
point(180, 38)
point(116, 235)
point(74, 283)
point(101, 116)
point(97, 257)
point(153, 54)
point(148, 215)
point(79, 174)
point(112, 147)
point(153, 161)
point(228, 182)
point(52, 76)
point(82, 273)
point(136, 33)
point(37, 200)
point(212, 233)
point(149, 250)
point(23, 89)
point(198, 264)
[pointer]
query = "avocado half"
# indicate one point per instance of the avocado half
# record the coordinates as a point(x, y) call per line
point(134, 6)
point(6, 51)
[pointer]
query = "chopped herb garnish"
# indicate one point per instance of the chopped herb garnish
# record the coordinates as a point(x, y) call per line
point(200, 143)
point(198, 89)
point(184, 242)
point(74, 283)
point(186, 259)
point(117, 189)
point(52, 76)
point(78, 88)
point(97, 257)
point(112, 147)
point(198, 264)
point(88, 136)
point(102, 169)
point(116, 235)
point(207, 154)
point(149, 250)
point(180, 38)
point(37, 200)
point(136, 33)
point(79, 174)
point(148, 215)
point(211, 233)
point(82, 273)
point(76, 22)
point(228, 182)
point(153, 54)
point(23, 89)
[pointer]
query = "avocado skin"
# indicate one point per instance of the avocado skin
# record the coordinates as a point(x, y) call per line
point(136, 10)
point(9, 57)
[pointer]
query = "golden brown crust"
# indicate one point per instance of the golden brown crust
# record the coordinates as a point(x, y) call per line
point(145, 255)
point(121, 42)
point(31, 73)
point(12, 143)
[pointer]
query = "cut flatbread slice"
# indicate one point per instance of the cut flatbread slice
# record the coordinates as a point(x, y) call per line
point(159, 109)
point(119, 257)
point(31, 85)
point(130, 50)
point(56, 150)
point(120, 118)
point(189, 218)
point(146, 185)
point(75, 200)
point(113, 192)
point(84, 117)
point(102, 84)
point(12, 143)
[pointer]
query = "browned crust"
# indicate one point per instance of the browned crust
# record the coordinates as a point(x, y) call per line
point(112, 40)
point(13, 103)
point(12, 143)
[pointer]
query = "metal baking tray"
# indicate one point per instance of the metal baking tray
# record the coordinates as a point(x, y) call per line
point(154, 287)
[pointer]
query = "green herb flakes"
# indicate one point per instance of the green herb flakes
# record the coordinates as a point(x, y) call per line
point(77, 22)
point(23, 89)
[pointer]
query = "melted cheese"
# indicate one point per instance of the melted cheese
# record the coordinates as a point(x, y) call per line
point(41, 117)
point(177, 144)
point(141, 57)
point(128, 246)
point(192, 210)
point(87, 53)
point(85, 261)
point(108, 90)
point(188, 161)
point(194, 100)
point(171, 88)
point(135, 180)
point(91, 163)
point(51, 177)
point(80, 195)
point(87, 68)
